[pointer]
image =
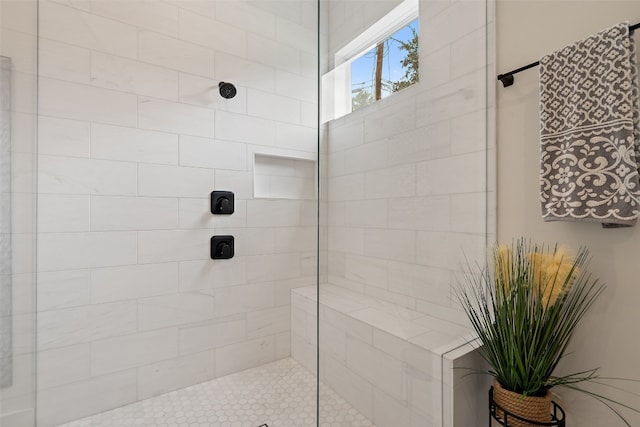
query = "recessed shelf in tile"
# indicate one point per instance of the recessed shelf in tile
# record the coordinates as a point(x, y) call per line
point(277, 177)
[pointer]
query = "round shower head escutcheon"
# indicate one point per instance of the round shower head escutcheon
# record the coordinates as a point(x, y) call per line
point(227, 90)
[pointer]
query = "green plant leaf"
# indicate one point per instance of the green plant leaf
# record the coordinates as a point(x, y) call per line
point(525, 307)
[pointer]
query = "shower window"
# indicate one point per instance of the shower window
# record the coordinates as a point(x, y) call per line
point(381, 60)
point(388, 67)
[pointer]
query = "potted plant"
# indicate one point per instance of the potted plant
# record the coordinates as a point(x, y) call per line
point(524, 311)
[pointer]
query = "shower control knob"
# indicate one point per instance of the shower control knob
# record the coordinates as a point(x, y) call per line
point(223, 250)
point(222, 205)
point(222, 202)
point(222, 247)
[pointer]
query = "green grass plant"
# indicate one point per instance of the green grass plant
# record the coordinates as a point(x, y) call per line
point(525, 309)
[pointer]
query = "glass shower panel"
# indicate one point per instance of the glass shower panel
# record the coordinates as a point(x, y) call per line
point(18, 83)
point(406, 202)
point(145, 109)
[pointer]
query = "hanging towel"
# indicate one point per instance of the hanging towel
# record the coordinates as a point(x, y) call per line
point(590, 131)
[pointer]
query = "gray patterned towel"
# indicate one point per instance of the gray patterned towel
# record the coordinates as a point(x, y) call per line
point(590, 130)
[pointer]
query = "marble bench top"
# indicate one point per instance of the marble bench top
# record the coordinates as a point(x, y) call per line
point(434, 334)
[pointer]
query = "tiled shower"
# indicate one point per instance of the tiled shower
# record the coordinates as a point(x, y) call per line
point(349, 232)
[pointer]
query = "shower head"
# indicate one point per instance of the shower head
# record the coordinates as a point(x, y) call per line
point(227, 90)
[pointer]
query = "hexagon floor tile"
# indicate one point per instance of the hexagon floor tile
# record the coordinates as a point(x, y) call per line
point(278, 394)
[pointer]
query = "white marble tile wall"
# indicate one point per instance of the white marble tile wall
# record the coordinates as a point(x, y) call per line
point(407, 175)
point(133, 137)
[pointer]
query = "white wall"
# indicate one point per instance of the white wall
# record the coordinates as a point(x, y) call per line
point(406, 174)
point(608, 336)
point(18, 29)
point(133, 137)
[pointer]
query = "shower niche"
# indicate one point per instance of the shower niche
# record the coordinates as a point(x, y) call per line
point(279, 177)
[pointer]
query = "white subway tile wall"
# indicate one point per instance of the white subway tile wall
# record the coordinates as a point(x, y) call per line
point(133, 137)
point(407, 175)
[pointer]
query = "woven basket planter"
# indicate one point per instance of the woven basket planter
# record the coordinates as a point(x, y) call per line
point(531, 408)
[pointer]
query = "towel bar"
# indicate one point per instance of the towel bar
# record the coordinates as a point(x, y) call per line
point(507, 78)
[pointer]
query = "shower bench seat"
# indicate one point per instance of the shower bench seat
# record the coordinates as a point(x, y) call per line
point(393, 364)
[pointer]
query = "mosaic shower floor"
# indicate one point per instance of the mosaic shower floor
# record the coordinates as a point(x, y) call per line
point(278, 394)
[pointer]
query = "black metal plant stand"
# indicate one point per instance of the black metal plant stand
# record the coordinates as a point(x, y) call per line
point(557, 415)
